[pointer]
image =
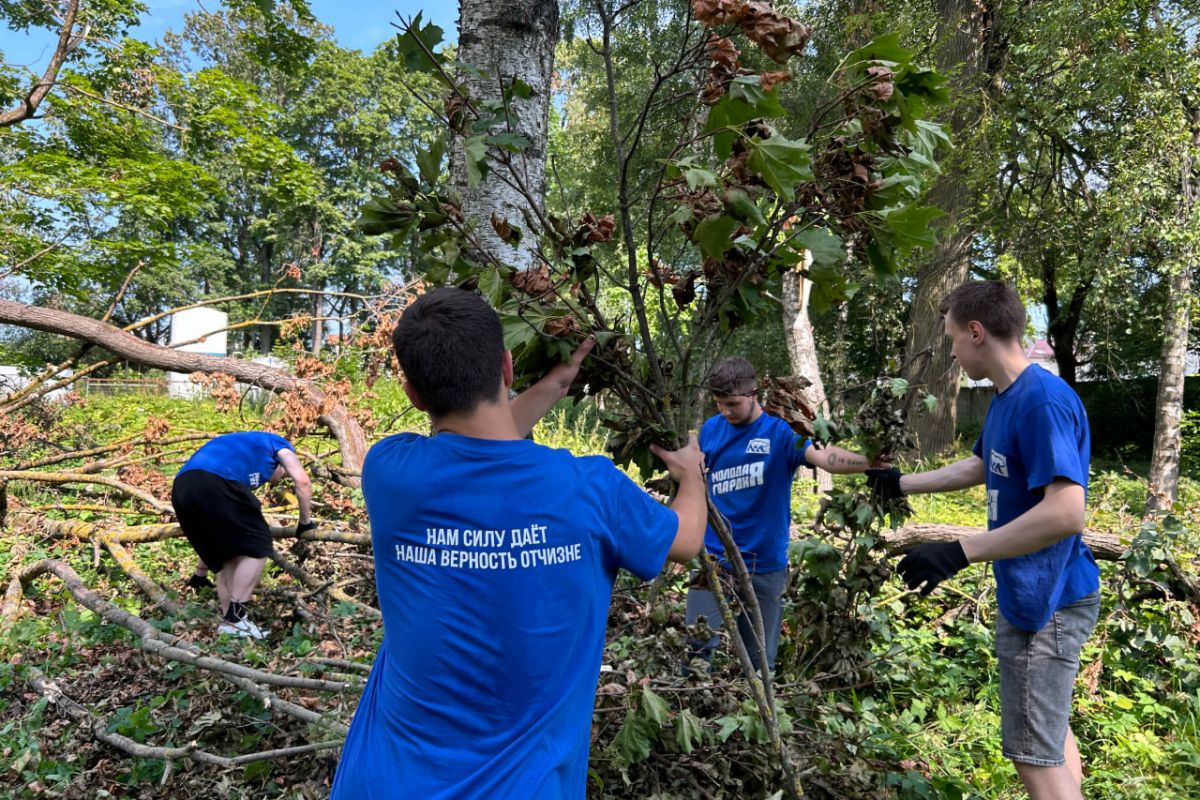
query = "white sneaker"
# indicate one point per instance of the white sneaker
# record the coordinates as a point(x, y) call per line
point(243, 627)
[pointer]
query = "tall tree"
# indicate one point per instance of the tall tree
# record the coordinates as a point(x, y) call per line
point(1165, 458)
point(968, 37)
point(505, 61)
point(802, 349)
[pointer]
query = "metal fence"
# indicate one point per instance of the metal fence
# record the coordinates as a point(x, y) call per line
point(114, 386)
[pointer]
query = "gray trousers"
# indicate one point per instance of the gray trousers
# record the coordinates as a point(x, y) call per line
point(768, 589)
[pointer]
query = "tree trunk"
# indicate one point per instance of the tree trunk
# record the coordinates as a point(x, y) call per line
point(963, 34)
point(802, 349)
point(1062, 323)
point(351, 441)
point(1168, 409)
point(318, 327)
point(508, 39)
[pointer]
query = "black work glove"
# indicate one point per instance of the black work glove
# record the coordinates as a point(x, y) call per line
point(885, 484)
point(303, 527)
point(199, 582)
point(930, 564)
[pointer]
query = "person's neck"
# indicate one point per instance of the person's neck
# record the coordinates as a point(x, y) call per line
point(755, 414)
point(1008, 365)
point(486, 421)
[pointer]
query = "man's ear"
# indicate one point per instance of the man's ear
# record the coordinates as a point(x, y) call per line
point(506, 369)
point(413, 397)
point(978, 332)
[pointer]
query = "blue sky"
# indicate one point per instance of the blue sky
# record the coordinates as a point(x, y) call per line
point(358, 24)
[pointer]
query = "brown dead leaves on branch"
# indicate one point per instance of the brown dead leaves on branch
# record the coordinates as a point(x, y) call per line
point(725, 65)
point(783, 397)
point(780, 36)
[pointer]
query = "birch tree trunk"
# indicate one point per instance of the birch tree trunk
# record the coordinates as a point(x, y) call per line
point(1168, 409)
point(508, 39)
point(802, 349)
point(963, 32)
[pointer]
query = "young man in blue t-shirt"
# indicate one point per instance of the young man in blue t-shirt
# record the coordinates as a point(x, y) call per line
point(213, 498)
point(751, 457)
point(494, 562)
point(1033, 459)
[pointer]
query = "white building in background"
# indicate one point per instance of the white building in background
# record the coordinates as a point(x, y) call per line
point(196, 330)
point(13, 378)
point(202, 330)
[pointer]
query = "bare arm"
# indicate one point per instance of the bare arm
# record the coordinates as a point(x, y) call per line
point(532, 404)
point(295, 470)
point(1059, 514)
point(836, 460)
point(959, 475)
point(690, 503)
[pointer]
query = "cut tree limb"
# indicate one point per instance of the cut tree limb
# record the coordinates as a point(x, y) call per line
point(1106, 546)
point(55, 695)
point(252, 681)
point(81, 477)
point(352, 442)
point(141, 579)
point(36, 521)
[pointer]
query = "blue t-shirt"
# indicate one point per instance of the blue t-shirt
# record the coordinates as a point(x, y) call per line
point(249, 458)
point(1035, 431)
point(494, 563)
point(750, 470)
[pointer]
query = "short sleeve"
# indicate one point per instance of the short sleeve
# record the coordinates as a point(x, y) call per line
point(279, 443)
point(978, 448)
point(642, 529)
point(1049, 438)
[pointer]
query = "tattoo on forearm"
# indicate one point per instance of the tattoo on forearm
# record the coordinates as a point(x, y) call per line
point(848, 460)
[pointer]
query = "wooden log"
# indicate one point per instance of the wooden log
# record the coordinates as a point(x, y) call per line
point(1105, 546)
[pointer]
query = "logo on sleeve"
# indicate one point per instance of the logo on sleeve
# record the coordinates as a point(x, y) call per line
point(998, 464)
point(759, 447)
point(255, 479)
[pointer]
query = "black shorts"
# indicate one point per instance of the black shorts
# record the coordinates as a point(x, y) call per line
point(221, 518)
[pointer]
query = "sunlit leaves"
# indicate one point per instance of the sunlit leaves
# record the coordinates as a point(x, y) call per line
point(417, 43)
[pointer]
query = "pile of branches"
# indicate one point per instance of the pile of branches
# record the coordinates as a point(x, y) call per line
point(157, 684)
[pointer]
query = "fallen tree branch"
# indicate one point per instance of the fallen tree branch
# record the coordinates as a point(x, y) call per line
point(55, 695)
point(316, 585)
point(33, 520)
point(137, 440)
point(174, 648)
point(141, 579)
point(1105, 546)
point(59, 478)
point(352, 442)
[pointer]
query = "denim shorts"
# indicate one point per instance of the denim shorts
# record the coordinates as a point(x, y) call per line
point(1037, 676)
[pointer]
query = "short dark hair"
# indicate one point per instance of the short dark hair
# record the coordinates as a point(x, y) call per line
point(993, 304)
point(450, 344)
point(733, 376)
